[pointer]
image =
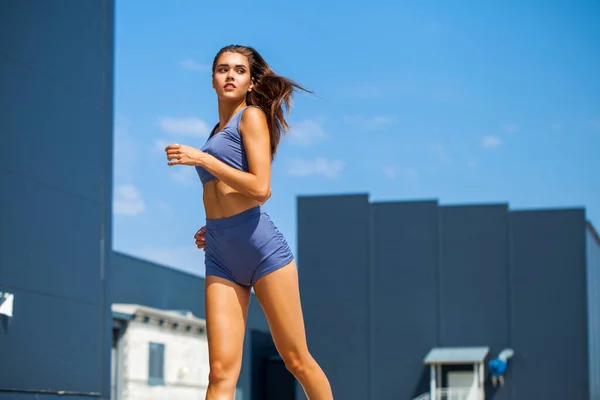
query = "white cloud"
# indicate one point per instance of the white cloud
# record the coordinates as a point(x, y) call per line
point(490, 142)
point(185, 126)
point(319, 166)
point(305, 132)
point(192, 65)
point(127, 200)
point(438, 149)
point(511, 128)
point(409, 174)
point(389, 171)
point(371, 123)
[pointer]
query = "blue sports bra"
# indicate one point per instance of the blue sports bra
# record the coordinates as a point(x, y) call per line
point(227, 146)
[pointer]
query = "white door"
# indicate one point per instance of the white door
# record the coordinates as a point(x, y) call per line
point(462, 385)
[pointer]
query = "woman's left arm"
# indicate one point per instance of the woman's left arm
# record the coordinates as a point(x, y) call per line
point(257, 182)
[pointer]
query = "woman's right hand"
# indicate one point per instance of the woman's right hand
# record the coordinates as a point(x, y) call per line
point(200, 238)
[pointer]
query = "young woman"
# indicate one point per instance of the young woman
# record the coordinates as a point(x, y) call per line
point(243, 247)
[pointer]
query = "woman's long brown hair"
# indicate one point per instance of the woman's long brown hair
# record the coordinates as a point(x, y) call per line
point(271, 92)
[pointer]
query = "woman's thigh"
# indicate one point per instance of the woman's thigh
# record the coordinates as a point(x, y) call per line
point(226, 311)
point(279, 296)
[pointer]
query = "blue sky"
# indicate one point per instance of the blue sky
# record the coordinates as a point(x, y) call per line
point(458, 101)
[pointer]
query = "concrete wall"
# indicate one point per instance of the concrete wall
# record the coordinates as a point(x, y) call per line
point(382, 283)
point(142, 282)
point(593, 291)
point(56, 60)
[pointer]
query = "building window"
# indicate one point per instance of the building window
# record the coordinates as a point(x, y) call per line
point(156, 362)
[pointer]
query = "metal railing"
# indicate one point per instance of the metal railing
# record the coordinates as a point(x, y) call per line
point(424, 396)
point(451, 394)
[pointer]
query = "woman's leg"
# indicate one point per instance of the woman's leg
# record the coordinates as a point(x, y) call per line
point(226, 311)
point(279, 296)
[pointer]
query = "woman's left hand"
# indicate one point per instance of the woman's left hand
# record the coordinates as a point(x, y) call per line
point(180, 154)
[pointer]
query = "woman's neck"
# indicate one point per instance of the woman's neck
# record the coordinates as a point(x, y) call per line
point(227, 110)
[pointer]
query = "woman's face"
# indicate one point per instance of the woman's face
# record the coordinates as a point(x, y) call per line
point(231, 77)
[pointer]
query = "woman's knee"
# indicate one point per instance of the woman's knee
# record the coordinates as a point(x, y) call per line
point(297, 362)
point(223, 374)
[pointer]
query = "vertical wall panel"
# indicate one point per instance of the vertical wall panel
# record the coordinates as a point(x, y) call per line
point(549, 328)
point(333, 262)
point(405, 296)
point(474, 260)
point(474, 278)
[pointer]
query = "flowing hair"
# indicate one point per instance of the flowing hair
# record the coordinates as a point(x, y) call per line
point(271, 92)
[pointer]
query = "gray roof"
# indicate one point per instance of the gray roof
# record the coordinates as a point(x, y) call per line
point(456, 355)
point(133, 311)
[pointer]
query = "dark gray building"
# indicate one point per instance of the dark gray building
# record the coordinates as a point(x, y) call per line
point(56, 114)
point(384, 283)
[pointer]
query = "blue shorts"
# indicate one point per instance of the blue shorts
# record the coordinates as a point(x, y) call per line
point(244, 247)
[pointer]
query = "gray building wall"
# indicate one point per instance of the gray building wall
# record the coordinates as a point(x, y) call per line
point(56, 60)
point(593, 291)
point(549, 310)
point(443, 276)
point(137, 281)
point(335, 279)
point(473, 276)
point(403, 312)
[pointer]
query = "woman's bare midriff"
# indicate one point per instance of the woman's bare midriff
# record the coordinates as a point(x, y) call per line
point(221, 201)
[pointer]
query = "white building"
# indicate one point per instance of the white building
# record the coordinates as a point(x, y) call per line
point(158, 354)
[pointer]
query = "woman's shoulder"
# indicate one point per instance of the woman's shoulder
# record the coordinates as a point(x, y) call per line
point(253, 117)
point(253, 112)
